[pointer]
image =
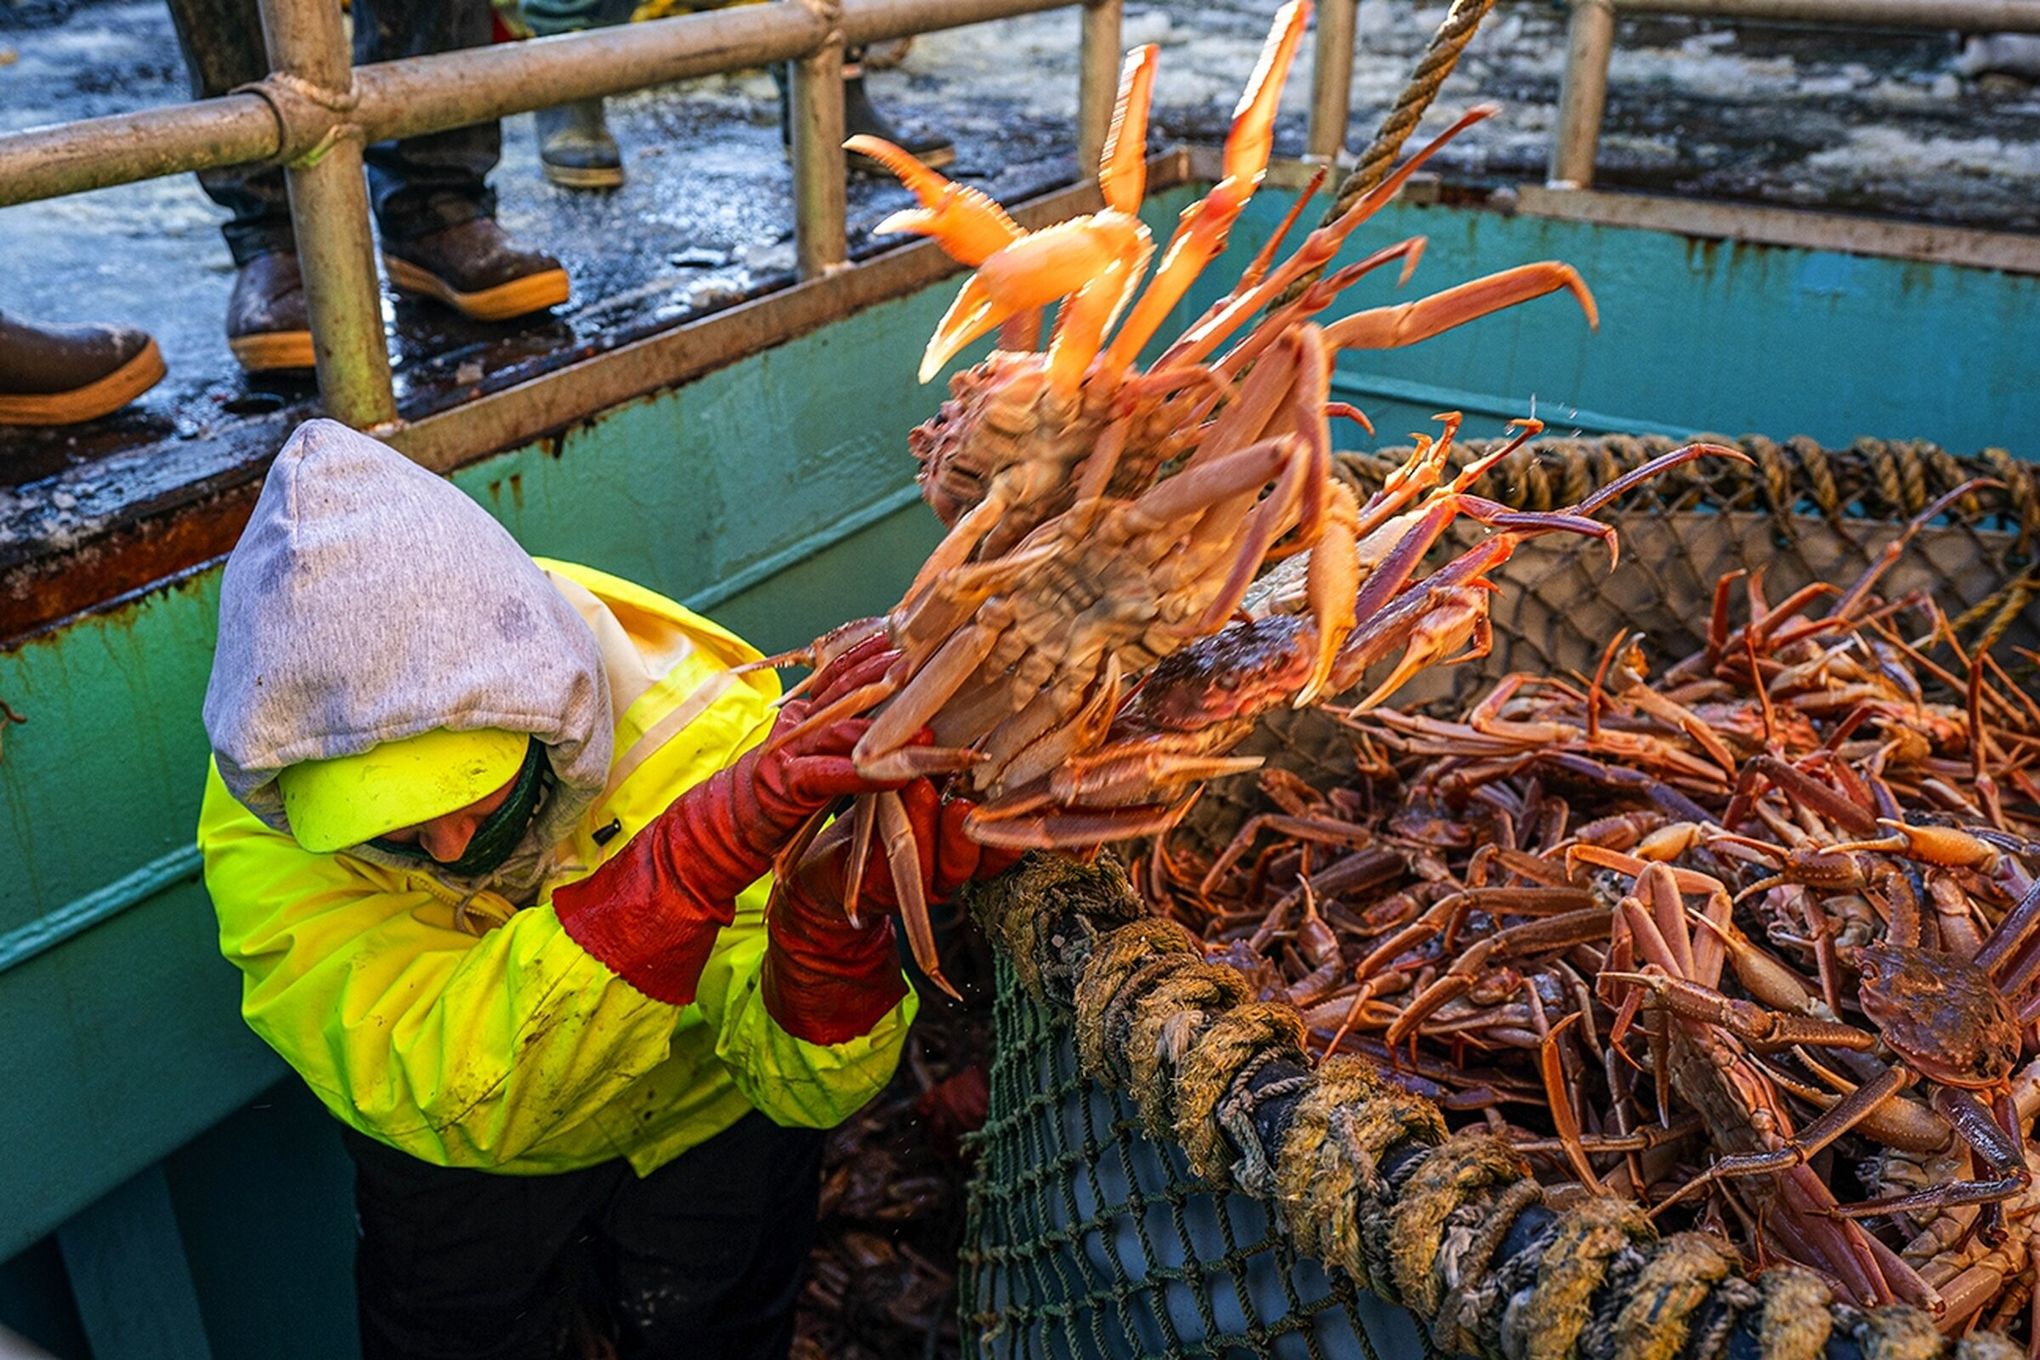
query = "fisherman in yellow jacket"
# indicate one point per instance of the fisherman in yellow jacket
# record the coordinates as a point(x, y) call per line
point(488, 839)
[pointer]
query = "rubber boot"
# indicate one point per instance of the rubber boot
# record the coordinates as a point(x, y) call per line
point(60, 375)
point(859, 116)
point(269, 327)
point(575, 149)
point(477, 269)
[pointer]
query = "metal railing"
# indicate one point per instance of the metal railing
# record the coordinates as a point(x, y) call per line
point(1590, 43)
point(316, 111)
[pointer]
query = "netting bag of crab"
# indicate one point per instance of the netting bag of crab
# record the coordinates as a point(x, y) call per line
point(1659, 982)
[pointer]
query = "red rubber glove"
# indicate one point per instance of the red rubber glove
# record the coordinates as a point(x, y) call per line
point(653, 910)
point(826, 980)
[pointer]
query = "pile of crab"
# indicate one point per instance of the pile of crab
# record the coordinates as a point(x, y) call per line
point(1750, 941)
point(1099, 627)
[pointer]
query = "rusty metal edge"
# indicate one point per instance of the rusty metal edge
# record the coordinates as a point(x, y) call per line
point(165, 543)
point(1757, 223)
point(1761, 224)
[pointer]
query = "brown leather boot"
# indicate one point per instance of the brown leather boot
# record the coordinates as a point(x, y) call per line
point(475, 268)
point(60, 375)
point(268, 328)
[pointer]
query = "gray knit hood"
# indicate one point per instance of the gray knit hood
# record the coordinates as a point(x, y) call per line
point(369, 600)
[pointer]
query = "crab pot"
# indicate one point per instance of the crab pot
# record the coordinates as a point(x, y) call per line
point(1089, 1233)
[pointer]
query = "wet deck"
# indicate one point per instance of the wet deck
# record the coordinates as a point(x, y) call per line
point(1865, 122)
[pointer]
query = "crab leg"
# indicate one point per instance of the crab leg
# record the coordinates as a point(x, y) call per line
point(1131, 775)
point(882, 752)
point(1036, 270)
point(1409, 322)
point(1122, 164)
point(1318, 248)
point(1063, 741)
point(1038, 823)
point(1331, 584)
point(903, 856)
point(1203, 231)
point(1459, 618)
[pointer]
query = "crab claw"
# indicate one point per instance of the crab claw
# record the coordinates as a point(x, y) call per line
point(1094, 255)
point(1459, 618)
point(967, 224)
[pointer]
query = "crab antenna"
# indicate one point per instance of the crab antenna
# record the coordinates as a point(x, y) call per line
point(1207, 224)
point(1122, 165)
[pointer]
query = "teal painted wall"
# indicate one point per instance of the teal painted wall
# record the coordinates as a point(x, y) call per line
point(1694, 335)
point(169, 1151)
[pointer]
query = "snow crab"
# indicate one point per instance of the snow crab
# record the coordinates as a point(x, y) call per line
point(1104, 518)
point(1027, 433)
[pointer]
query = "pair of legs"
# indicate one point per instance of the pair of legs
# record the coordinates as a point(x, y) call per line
point(575, 147)
point(703, 1258)
point(431, 196)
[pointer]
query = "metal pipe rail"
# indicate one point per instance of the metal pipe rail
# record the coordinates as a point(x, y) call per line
point(1590, 43)
point(315, 112)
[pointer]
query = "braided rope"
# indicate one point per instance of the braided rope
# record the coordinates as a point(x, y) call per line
point(1440, 56)
point(1872, 479)
point(1453, 1228)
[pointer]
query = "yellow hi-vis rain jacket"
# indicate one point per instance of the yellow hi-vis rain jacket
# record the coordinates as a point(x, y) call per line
point(472, 1034)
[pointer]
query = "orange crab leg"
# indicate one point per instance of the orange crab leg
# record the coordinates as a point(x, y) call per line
point(1409, 322)
point(1204, 227)
point(1122, 165)
point(1318, 248)
point(1331, 584)
point(903, 857)
point(1033, 271)
point(1460, 618)
point(1013, 828)
point(1129, 776)
point(1085, 318)
point(968, 225)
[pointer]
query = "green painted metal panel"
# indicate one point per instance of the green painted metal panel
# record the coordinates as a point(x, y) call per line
point(266, 1205)
point(1695, 335)
point(129, 1276)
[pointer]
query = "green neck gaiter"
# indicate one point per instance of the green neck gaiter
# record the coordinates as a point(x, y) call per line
point(499, 834)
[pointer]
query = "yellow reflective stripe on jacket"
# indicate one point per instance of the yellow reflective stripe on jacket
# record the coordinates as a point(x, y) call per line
point(509, 1047)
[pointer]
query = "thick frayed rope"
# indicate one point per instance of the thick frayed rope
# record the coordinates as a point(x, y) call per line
point(1170, 1024)
point(1545, 1323)
point(1132, 951)
point(1669, 1290)
point(1220, 1057)
point(1465, 1166)
point(1453, 1228)
point(1331, 1159)
point(1796, 1319)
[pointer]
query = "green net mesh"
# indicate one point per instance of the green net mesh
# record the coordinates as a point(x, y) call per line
point(1086, 1236)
